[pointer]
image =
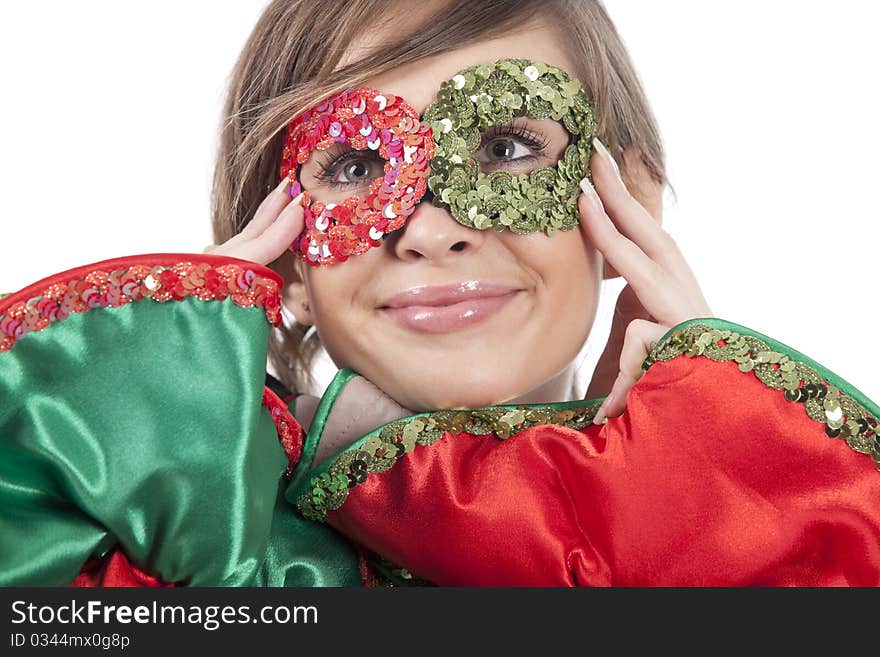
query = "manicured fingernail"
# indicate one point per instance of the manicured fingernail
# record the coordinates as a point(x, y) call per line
point(282, 186)
point(600, 418)
point(605, 153)
point(298, 198)
point(591, 195)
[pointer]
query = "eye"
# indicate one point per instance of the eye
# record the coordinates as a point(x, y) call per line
point(511, 146)
point(505, 149)
point(355, 171)
point(351, 169)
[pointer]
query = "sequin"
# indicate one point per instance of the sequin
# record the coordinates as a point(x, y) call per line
point(380, 122)
point(101, 289)
point(543, 200)
point(841, 414)
point(382, 450)
point(290, 432)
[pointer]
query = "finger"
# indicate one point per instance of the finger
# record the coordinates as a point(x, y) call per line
point(628, 215)
point(668, 295)
point(268, 211)
point(640, 335)
point(275, 239)
point(627, 308)
point(622, 253)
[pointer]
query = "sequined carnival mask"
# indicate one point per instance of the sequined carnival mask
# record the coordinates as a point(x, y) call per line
point(440, 151)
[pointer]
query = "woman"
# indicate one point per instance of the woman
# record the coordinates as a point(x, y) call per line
point(526, 484)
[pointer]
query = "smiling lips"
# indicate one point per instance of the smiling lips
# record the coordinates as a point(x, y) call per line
point(447, 308)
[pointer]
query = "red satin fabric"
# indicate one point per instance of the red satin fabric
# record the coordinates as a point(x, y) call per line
point(116, 570)
point(708, 478)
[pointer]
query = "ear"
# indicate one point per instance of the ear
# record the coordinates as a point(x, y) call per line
point(295, 293)
point(643, 187)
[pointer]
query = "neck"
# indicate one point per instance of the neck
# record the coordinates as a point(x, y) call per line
point(556, 389)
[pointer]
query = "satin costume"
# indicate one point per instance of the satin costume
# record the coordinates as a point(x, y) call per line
point(141, 446)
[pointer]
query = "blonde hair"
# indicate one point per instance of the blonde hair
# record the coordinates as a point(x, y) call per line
point(288, 64)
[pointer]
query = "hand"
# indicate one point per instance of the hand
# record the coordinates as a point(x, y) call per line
point(660, 284)
point(270, 233)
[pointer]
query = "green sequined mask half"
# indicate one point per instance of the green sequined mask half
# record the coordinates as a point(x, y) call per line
point(492, 94)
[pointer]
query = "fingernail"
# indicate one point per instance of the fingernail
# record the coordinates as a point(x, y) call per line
point(590, 193)
point(297, 199)
point(282, 186)
point(605, 153)
point(600, 418)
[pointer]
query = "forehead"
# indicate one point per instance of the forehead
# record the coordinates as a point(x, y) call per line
point(417, 82)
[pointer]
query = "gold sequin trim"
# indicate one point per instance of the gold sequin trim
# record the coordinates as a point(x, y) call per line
point(329, 490)
point(843, 416)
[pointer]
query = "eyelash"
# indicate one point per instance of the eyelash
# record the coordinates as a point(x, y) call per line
point(329, 164)
point(535, 141)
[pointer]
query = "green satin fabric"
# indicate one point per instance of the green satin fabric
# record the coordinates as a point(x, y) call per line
point(319, 421)
point(141, 427)
point(306, 553)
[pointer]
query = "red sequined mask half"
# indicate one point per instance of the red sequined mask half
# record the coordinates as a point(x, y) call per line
point(361, 119)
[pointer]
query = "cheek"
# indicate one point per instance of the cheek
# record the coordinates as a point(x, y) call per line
point(332, 294)
point(341, 297)
point(574, 280)
point(567, 267)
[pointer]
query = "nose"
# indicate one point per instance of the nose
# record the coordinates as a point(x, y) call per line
point(432, 233)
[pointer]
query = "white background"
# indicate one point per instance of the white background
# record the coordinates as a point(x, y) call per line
point(769, 112)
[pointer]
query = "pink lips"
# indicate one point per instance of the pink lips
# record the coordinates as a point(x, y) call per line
point(442, 309)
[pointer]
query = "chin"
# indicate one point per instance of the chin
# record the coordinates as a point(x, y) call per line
point(463, 392)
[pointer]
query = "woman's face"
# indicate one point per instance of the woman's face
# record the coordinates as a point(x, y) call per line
point(377, 312)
